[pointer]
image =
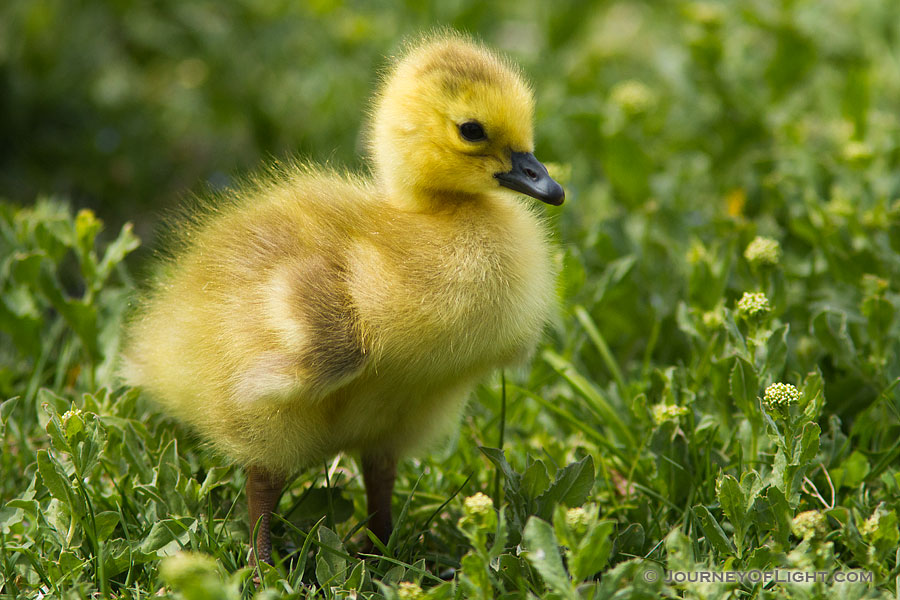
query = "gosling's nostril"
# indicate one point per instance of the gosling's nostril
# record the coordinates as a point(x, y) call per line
point(531, 174)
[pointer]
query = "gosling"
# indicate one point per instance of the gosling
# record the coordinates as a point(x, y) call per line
point(312, 312)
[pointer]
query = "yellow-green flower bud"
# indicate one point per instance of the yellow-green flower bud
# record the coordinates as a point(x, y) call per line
point(478, 505)
point(578, 519)
point(707, 14)
point(809, 524)
point(752, 304)
point(763, 251)
point(779, 397)
point(409, 591)
point(713, 319)
point(857, 152)
point(633, 97)
point(666, 412)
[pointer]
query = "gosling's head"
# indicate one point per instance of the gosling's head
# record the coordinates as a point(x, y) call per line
point(453, 119)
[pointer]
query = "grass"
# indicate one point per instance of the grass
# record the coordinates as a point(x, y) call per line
point(718, 392)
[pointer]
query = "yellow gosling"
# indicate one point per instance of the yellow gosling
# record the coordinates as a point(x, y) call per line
point(311, 312)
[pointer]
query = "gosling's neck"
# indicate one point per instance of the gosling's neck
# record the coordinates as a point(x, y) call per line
point(432, 201)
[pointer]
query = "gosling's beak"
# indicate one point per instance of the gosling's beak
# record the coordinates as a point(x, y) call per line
point(530, 177)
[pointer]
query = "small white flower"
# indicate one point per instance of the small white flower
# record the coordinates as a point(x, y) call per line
point(752, 304)
point(779, 397)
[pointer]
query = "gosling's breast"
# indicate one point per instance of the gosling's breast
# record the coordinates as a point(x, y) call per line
point(466, 291)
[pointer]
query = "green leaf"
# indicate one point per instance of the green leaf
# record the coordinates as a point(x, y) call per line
point(535, 480)
point(593, 552)
point(168, 536)
point(776, 351)
point(79, 315)
point(7, 407)
point(116, 252)
point(318, 501)
point(542, 552)
point(497, 457)
point(631, 540)
point(24, 329)
point(830, 328)
point(812, 395)
point(807, 445)
point(106, 523)
point(571, 487)
point(331, 567)
point(744, 385)
point(612, 275)
point(782, 514)
point(731, 498)
point(215, 477)
point(56, 480)
point(168, 475)
point(55, 428)
point(715, 536)
point(358, 579)
point(852, 471)
point(737, 500)
point(87, 226)
point(26, 266)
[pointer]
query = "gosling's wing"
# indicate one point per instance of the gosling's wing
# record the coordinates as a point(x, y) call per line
point(309, 341)
point(254, 304)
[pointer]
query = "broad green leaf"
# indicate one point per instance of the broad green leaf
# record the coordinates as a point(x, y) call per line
point(542, 551)
point(319, 501)
point(715, 536)
point(7, 407)
point(56, 480)
point(776, 351)
point(116, 252)
point(358, 578)
point(852, 471)
point(593, 552)
point(168, 536)
point(535, 480)
point(812, 395)
point(106, 522)
point(571, 487)
point(79, 315)
point(731, 498)
point(807, 444)
point(782, 514)
point(331, 567)
point(744, 385)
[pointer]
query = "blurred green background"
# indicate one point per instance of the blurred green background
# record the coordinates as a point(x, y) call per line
point(127, 106)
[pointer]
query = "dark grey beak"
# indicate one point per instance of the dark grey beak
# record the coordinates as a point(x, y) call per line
point(530, 177)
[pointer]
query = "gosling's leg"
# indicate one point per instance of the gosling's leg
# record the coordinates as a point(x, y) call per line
point(263, 490)
point(379, 473)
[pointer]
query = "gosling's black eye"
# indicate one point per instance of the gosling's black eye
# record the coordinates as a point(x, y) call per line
point(472, 131)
